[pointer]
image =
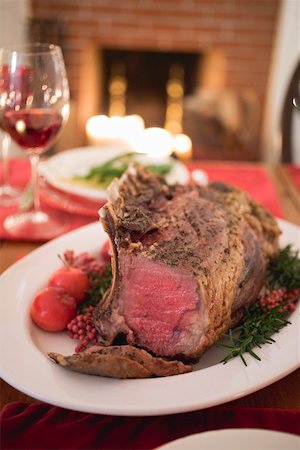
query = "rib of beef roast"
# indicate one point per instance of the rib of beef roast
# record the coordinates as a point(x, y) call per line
point(186, 261)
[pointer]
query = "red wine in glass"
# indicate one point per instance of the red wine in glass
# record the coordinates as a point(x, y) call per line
point(33, 128)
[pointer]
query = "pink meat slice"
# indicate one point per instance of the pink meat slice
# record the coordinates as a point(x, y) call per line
point(155, 300)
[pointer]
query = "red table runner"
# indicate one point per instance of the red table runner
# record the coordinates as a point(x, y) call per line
point(41, 426)
point(250, 177)
point(294, 173)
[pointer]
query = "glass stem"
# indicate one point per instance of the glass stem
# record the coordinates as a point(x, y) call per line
point(34, 162)
point(5, 162)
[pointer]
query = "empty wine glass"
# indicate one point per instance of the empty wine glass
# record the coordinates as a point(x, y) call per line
point(34, 109)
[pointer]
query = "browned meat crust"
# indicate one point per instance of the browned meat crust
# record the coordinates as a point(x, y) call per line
point(216, 238)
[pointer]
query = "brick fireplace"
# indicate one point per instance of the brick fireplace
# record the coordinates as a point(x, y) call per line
point(233, 38)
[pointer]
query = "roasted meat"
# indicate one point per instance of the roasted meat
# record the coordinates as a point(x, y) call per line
point(186, 262)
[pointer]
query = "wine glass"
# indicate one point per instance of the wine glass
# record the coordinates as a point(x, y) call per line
point(34, 109)
point(9, 195)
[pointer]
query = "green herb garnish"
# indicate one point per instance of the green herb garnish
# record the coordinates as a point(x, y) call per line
point(99, 285)
point(259, 325)
point(256, 330)
point(103, 174)
point(284, 271)
point(162, 169)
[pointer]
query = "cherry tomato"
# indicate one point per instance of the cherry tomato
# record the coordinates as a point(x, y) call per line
point(74, 281)
point(106, 251)
point(52, 309)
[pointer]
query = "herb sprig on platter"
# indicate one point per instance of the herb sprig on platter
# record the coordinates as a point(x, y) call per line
point(269, 314)
point(284, 271)
point(100, 283)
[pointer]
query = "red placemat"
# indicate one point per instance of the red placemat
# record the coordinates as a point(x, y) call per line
point(294, 172)
point(250, 177)
point(41, 426)
point(19, 177)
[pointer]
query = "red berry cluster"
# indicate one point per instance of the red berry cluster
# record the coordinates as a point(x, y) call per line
point(84, 261)
point(272, 298)
point(82, 327)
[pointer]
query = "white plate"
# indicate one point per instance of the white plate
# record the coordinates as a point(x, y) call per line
point(25, 366)
point(78, 161)
point(236, 439)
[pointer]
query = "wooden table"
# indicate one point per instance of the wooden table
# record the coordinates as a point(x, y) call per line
point(282, 394)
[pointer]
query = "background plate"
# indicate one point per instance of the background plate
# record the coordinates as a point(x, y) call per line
point(78, 161)
point(236, 439)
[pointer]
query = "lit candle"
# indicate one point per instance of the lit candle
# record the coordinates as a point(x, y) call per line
point(115, 127)
point(103, 129)
point(155, 142)
point(132, 130)
point(134, 122)
point(96, 130)
point(182, 146)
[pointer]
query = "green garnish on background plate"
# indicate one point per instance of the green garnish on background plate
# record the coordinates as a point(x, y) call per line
point(103, 174)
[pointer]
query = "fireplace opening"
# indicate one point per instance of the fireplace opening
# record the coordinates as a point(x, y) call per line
point(149, 83)
point(184, 93)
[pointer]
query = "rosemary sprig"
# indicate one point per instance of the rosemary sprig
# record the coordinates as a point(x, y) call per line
point(115, 167)
point(258, 325)
point(284, 271)
point(99, 285)
point(257, 330)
